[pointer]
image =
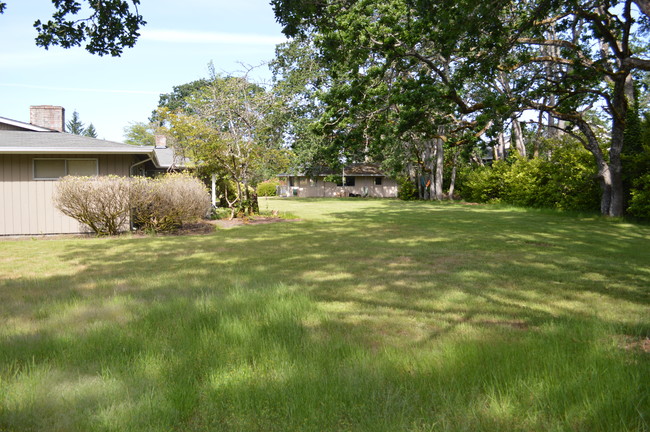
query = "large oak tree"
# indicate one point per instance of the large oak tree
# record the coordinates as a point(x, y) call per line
point(448, 59)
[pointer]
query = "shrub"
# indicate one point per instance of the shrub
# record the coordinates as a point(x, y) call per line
point(168, 202)
point(102, 203)
point(105, 204)
point(268, 188)
point(483, 184)
point(406, 189)
point(640, 199)
point(565, 181)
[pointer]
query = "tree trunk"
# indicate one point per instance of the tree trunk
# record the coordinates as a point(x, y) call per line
point(518, 137)
point(501, 146)
point(439, 169)
point(452, 180)
point(611, 199)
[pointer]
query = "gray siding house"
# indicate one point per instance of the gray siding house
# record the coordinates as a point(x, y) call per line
point(33, 156)
point(364, 180)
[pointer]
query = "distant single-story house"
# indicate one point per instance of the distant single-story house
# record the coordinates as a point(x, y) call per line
point(33, 156)
point(365, 180)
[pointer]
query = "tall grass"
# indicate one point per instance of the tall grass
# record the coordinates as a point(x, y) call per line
point(367, 315)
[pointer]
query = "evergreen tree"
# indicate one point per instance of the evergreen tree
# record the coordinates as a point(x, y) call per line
point(75, 126)
point(90, 131)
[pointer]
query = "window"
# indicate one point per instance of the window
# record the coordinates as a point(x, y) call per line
point(377, 181)
point(52, 169)
point(349, 181)
point(49, 168)
point(82, 167)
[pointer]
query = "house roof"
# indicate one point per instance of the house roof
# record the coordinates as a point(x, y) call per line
point(18, 125)
point(357, 170)
point(41, 142)
point(165, 157)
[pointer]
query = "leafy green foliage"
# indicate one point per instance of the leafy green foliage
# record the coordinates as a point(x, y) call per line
point(401, 73)
point(112, 26)
point(268, 188)
point(564, 181)
point(139, 133)
point(640, 197)
point(230, 127)
point(176, 100)
point(406, 189)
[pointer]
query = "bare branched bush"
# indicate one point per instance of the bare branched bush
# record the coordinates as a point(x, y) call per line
point(105, 204)
point(169, 202)
point(102, 203)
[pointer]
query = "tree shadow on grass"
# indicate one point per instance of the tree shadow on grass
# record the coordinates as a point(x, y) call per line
point(389, 319)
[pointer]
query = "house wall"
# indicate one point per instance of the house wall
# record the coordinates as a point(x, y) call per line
point(318, 188)
point(26, 205)
point(4, 126)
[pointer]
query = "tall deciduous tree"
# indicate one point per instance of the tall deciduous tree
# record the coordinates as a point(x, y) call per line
point(569, 55)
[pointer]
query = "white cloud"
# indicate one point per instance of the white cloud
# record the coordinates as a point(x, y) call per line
point(182, 36)
point(81, 90)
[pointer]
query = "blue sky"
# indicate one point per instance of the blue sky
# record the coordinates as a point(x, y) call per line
point(176, 45)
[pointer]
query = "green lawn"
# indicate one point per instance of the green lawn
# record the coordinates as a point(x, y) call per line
point(367, 315)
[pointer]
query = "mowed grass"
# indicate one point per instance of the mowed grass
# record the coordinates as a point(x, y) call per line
point(367, 315)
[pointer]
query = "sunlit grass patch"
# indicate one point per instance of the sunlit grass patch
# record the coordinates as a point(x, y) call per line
point(367, 315)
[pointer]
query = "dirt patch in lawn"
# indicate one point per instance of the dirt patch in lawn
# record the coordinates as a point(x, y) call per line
point(634, 344)
point(258, 220)
point(207, 226)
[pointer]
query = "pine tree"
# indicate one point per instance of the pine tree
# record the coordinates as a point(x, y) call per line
point(90, 131)
point(75, 126)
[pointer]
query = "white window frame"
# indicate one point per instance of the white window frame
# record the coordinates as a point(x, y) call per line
point(66, 167)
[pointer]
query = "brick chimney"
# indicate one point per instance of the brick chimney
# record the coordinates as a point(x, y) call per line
point(48, 116)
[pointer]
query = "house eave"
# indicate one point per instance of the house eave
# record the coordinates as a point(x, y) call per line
point(26, 126)
point(73, 150)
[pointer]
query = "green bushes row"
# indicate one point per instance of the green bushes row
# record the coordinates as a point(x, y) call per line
point(105, 204)
point(268, 188)
point(566, 181)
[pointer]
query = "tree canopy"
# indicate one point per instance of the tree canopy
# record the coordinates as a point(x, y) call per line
point(406, 73)
point(109, 27)
point(228, 125)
